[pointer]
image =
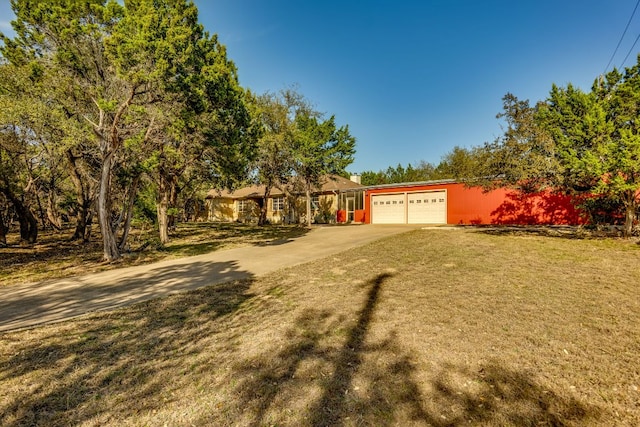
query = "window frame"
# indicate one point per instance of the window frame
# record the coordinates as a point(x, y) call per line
point(277, 204)
point(245, 206)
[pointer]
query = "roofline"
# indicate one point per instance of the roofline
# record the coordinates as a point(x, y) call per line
point(373, 187)
point(410, 184)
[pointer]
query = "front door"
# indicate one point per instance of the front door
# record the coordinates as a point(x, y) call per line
point(351, 203)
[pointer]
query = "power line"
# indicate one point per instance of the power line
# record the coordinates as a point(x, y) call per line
point(622, 37)
point(630, 50)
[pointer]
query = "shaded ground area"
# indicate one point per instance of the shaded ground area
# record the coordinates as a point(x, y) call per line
point(560, 231)
point(28, 304)
point(55, 256)
point(431, 327)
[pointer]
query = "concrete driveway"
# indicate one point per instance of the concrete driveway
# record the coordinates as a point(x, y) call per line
point(30, 304)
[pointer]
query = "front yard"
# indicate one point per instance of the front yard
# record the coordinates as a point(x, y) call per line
point(431, 327)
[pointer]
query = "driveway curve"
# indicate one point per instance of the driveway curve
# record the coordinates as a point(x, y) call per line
point(27, 305)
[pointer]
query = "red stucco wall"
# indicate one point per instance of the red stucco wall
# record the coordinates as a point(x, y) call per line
point(359, 215)
point(501, 206)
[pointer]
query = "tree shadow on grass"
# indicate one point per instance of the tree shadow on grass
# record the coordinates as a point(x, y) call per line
point(228, 233)
point(333, 374)
point(496, 395)
point(272, 379)
point(26, 305)
point(561, 232)
point(333, 404)
point(331, 358)
point(200, 238)
point(123, 355)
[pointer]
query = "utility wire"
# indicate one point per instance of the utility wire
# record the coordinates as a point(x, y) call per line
point(622, 37)
point(630, 50)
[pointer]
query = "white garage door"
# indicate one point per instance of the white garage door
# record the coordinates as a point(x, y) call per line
point(427, 208)
point(387, 209)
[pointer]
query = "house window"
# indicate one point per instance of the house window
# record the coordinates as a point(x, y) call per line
point(278, 204)
point(315, 203)
point(243, 206)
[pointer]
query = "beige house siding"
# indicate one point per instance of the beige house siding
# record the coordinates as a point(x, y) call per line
point(280, 209)
point(244, 204)
point(221, 210)
point(326, 209)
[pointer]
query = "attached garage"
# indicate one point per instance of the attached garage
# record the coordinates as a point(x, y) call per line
point(425, 207)
point(451, 202)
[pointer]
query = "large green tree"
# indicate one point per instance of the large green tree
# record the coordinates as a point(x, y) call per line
point(274, 161)
point(297, 146)
point(597, 137)
point(33, 169)
point(66, 40)
point(196, 115)
point(319, 148)
point(582, 143)
point(524, 157)
point(141, 87)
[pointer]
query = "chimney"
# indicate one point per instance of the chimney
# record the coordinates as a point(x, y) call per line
point(356, 179)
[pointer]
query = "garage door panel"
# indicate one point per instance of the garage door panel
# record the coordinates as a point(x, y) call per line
point(427, 207)
point(388, 209)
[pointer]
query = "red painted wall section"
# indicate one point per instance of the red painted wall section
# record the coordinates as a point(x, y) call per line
point(471, 205)
point(358, 216)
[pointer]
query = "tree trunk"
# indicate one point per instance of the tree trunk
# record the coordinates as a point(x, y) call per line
point(110, 247)
point(262, 220)
point(173, 203)
point(81, 221)
point(163, 220)
point(129, 214)
point(162, 209)
point(308, 194)
point(41, 212)
point(87, 233)
point(4, 229)
point(630, 216)
point(84, 200)
point(53, 216)
point(109, 144)
point(26, 219)
point(28, 222)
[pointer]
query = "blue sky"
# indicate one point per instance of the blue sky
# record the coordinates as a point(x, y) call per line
point(413, 79)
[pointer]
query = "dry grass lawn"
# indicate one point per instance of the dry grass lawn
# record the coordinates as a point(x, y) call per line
point(432, 327)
